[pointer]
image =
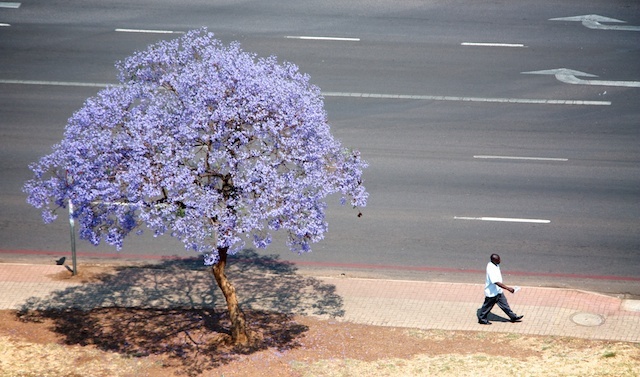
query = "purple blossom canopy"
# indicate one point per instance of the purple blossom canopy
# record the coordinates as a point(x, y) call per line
point(205, 142)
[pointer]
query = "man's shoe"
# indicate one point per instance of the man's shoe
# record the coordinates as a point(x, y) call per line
point(517, 318)
point(484, 322)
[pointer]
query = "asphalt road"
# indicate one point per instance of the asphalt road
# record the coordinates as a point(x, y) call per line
point(468, 139)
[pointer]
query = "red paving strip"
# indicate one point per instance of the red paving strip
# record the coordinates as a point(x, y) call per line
point(89, 254)
point(325, 264)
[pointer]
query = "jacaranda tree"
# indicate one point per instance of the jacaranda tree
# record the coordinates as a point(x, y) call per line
point(207, 143)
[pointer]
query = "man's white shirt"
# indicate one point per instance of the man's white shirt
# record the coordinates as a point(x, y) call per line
point(493, 276)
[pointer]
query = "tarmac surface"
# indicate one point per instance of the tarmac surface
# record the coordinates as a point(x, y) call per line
point(379, 302)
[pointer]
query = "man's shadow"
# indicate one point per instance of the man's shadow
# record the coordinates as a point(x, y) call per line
point(493, 317)
point(175, 309)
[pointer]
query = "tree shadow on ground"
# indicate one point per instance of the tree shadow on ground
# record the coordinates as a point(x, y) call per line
point(175, 311)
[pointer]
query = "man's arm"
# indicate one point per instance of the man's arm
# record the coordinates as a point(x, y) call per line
point(503, 286)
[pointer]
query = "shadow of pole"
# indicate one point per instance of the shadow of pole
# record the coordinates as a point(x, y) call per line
point(175, 309)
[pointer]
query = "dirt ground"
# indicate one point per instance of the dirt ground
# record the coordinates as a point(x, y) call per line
point(159, 343)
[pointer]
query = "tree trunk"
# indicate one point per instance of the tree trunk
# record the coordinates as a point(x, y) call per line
point(239, 329)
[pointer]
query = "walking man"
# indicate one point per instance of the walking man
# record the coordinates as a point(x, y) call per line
point(493, 293)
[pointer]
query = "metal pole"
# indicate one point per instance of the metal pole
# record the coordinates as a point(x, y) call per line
point(74, 271)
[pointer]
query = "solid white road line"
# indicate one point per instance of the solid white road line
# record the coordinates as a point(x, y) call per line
point(149, 31)
point(469, 99)
point(366, 95)
point(323, 38)
point(504, 219)
point(483, 44)
point(56, 83)
point(522, 158)
point(5, 4)
point(4, 24)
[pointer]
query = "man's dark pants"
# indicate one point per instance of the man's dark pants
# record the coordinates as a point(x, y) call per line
point(488, 304)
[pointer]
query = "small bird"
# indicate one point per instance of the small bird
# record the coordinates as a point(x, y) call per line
point(60, 261)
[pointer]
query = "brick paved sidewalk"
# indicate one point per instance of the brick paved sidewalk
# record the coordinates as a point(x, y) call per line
point(414, 304)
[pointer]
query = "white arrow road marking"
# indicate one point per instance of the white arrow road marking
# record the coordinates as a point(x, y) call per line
point(593, 21)
point(568, 76)
point(504, 219)
point(588, 17)
point(597, 25)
